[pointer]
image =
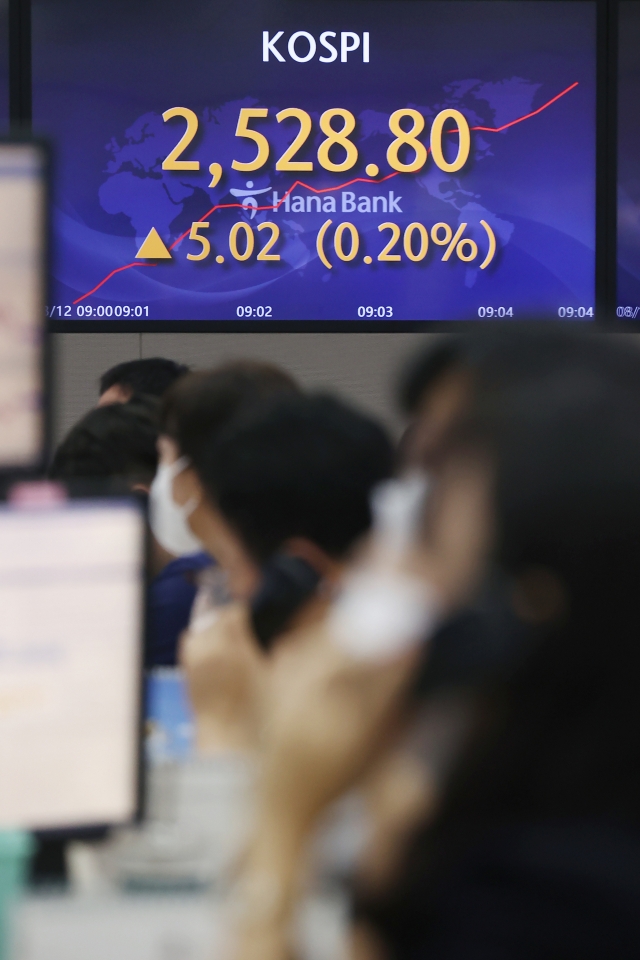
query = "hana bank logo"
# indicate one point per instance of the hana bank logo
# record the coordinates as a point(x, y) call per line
point(302, 46)
point(249, 197)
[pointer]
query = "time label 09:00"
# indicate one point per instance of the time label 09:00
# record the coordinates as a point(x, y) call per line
point(99, 311)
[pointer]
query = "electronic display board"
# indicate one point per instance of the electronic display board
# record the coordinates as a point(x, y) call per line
point(628, 297)
point(369, 160)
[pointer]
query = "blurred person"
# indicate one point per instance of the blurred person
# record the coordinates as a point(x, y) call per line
point(285, 491)
point(194, 411)
point(118, 442)
point(535, 845)
point(433, 388)
point(433, 391)
point(468, 645)
point(335, 705)
point(535, 850)
point(229, 664)
point(395, 787)
point(293, 479)
point(152, 377)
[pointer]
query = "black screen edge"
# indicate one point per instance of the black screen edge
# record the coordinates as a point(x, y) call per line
point(20, 98)
point(606, 161)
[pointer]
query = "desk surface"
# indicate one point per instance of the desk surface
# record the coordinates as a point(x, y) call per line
point(118, 926)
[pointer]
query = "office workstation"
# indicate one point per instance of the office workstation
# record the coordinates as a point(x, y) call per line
point(318, 479)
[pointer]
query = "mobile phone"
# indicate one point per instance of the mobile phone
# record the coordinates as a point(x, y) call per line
point(287, 583)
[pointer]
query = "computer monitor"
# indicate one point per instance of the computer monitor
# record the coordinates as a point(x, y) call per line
point(628, 294)
point(4, 66)
point(23, 272)
point(71, 601)
point(306, 161)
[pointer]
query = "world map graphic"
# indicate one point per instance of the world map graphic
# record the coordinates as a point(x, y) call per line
point(137, 187)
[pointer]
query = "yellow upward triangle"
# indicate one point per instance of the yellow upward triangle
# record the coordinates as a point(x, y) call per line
point(153, 247)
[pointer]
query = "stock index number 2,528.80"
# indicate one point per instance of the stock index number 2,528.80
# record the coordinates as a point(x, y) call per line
point(347, 153)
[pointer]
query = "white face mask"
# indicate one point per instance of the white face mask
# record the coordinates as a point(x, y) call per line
point(169, 520)
point(384, 611)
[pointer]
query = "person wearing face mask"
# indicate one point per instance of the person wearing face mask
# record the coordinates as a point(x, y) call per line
point(193, 410)
point(532, 850)
point(291, 480)
point(170, 520)
point(198, 406)
point(334, 705)
point(283, 498)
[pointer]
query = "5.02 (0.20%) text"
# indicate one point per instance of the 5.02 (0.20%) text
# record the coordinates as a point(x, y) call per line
point(346, 244)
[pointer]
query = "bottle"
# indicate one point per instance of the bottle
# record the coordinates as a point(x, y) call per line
point(16, 850)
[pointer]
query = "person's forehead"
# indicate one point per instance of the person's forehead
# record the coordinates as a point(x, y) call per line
point(439, 410)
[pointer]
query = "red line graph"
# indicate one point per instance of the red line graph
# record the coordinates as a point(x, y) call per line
point(307, 186)
point(527, 116)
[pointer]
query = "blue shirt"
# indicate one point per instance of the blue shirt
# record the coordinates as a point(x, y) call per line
point(171, 596)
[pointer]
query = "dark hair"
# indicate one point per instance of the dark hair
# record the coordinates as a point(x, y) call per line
point(116, 441)
point(532, 847)
point(423, 371)
point(559, 415)
point(304, 466)
point(203, 402)
point(152, 376)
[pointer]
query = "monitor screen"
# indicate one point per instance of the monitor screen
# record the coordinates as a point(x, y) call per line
point(71, 593)
point(372, 160)
point(23, 230)
point(628, 299)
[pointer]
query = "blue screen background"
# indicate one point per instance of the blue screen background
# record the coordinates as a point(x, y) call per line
point(105, 72)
